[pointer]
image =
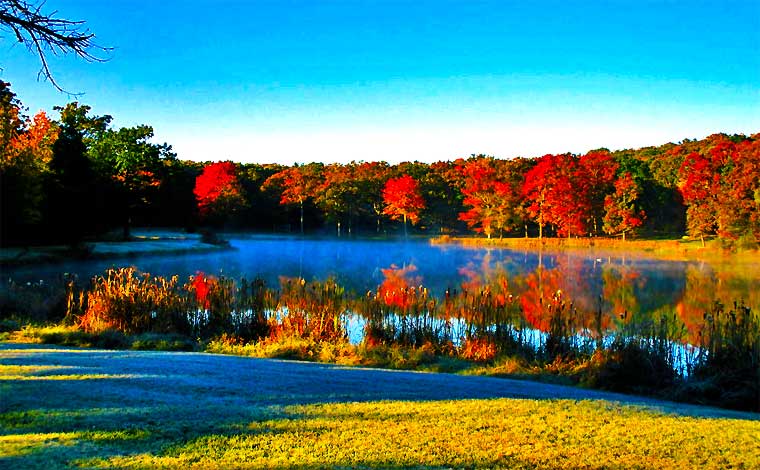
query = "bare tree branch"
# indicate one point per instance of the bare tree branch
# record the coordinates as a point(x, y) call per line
point(45, 34)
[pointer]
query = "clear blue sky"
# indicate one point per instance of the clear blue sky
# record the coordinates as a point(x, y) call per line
point(298, 81)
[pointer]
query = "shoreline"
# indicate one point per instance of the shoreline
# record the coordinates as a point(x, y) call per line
point(659, 249)
point(141, 245)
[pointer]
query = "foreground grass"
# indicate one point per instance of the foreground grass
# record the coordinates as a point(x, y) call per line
point(116, 412)
point(501, 433)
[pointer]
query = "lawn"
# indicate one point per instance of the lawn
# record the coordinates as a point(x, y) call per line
point(105, 409)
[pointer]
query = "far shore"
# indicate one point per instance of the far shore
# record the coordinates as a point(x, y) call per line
point(142, 243)
point(673, 249)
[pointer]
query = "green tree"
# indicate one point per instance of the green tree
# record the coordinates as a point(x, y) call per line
point(133, 164)
point(76, 202)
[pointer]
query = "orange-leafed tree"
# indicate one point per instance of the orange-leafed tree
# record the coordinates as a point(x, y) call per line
point(493, 199)
point(700, 185)
point(134, 166)
point(298, 185)
point(403, 200)
point(596, 175)
point(622, 214)
point(555, 195)
point(25, 154)
point(739, 198)
point(218, 190)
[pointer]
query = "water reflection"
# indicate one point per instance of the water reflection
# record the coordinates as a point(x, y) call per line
point(481, 287)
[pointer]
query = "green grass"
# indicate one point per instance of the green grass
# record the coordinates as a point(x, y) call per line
point(501, 433)
point(67, 335)
point(677, 249)
point(79, 420)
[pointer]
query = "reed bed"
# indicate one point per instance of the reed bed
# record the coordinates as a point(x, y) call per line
point(405, 325)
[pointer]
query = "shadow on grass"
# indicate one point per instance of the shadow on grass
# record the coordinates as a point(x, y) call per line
point(199, 410)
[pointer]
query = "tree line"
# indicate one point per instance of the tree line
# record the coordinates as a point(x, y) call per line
point(77, 177)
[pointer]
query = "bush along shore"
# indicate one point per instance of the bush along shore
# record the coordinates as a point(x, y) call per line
point(485, 330)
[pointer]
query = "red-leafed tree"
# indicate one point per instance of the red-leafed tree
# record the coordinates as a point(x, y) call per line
point(596, 175)
point(493, 201)
point(218, 190)
point(554, 195)
point(740, 200)
point(403, 199)
point(298, 185)
point(621, 212)
point(700, 186)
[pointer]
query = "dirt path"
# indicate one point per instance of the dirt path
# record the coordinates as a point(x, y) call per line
point(127, 379)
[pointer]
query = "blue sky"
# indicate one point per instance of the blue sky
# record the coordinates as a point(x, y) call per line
point(299, 81)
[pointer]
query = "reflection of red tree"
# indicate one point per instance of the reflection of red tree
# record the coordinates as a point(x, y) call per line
point(618, 290)
point(490, 283)
point(541, 291)
point(399, 287)
point(202, 285)
point(706, 286)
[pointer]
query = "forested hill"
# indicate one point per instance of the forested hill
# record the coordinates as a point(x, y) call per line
point(76, 177)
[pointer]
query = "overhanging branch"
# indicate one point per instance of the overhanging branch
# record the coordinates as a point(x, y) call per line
point(45, 34)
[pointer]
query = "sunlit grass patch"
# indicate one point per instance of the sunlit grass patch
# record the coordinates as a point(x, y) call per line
point(16, 445)
point(17, 372)
point(504, 433)
point(12, 371)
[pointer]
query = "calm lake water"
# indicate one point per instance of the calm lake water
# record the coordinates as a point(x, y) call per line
point(615, 282)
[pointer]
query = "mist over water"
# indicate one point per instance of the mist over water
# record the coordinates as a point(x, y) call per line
point(624, 281)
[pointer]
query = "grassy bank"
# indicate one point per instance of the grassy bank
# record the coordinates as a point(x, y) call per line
point(482, 329)
point(75, 408)
point(461, 434)
point(673, 249)
point(623, 368)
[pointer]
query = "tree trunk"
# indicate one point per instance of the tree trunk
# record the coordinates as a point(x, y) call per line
point(301, 217)
point(127, 232)
point(406, 235)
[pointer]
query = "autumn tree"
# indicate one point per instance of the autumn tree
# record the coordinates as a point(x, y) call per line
point(442, 189)
point(371, 178)
point(403, 200)
point(700, 186)
point(25, 154)
point(554, 195)
point(596, 175)
point(133, 165)
point(218, 191)
point(338, 195)
point(621, 212)
point(740, 199)
point(493, 201)
point(298, 185)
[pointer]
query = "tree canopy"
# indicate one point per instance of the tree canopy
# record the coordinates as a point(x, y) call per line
point(77, 176)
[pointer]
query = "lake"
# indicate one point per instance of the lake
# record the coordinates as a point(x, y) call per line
point(615, 283)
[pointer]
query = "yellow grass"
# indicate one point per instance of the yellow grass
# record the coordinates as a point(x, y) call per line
point(95, 429)
point(503, 433)
point(667, 249)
